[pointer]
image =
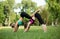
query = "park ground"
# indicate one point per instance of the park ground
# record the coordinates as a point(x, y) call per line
point(35, 32)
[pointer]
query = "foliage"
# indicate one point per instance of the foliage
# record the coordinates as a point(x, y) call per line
point(2, 16)
point(54, 9)
point(28, 6)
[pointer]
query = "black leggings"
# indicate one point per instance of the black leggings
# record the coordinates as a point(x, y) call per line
point(38, 16)
point(24, 14)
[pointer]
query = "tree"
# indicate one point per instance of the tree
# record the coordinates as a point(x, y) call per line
point(28, 6)
point(7, 14)
point(54, 10)
point(5, 9)
point(2, 16)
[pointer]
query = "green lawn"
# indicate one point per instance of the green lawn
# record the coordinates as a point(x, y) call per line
point(35, 32)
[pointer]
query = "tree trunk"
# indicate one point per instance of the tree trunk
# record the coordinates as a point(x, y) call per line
point(47, 20)
point(56, 22)
point(9, 21)
point(52, 23)
point(6, 22)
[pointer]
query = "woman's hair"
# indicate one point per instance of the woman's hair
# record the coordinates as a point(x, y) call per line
point(12, 25)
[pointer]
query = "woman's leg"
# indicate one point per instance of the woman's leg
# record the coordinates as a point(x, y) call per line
point(28, 26)
point(41, 21)
point(24, 14)
point(38, 16)
point(16, 27)
point(29, 23)
point(25, 25)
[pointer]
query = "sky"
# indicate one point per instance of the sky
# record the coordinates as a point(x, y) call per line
point(39, 3)
point(2, 0)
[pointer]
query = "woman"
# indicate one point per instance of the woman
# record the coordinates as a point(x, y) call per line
point(20, 21)
point(38, 16)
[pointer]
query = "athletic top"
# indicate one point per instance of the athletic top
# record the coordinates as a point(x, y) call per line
point(32, 21)
point(20, 22)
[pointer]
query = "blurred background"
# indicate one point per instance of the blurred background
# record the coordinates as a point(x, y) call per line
point(10, 11)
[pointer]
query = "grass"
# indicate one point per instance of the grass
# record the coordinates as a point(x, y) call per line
point(35, 32)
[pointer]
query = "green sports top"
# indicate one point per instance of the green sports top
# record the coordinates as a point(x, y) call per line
point(20, 22)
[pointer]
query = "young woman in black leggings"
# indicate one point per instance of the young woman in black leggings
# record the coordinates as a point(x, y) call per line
point(20, 21)
point(38, 16)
